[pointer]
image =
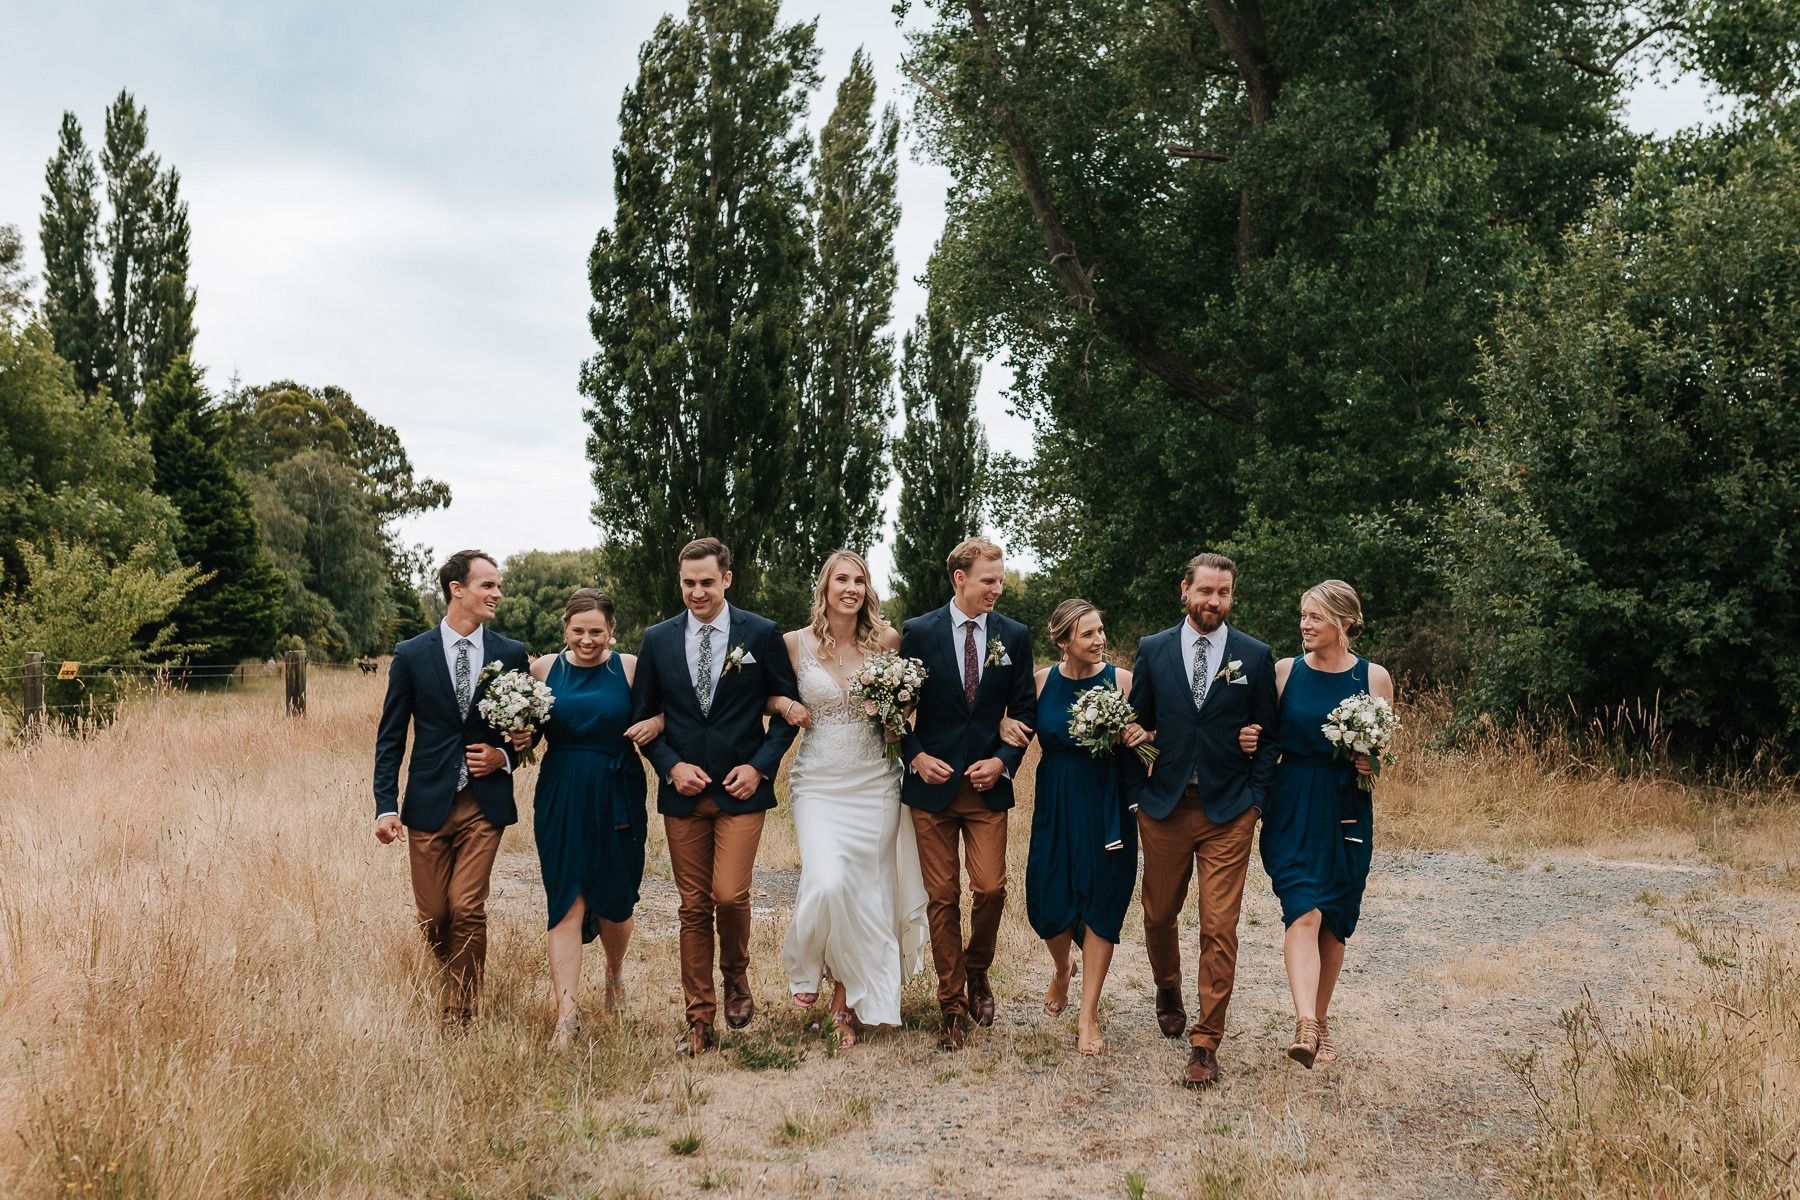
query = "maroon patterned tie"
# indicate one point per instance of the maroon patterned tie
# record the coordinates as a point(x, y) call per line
point(971, 664)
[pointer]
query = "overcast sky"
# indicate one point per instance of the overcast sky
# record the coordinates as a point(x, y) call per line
point(399, 199)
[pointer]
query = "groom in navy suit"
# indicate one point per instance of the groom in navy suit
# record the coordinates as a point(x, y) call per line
point(1195, 686)
point(959, 778)
point(710, 673)
point(459, 782)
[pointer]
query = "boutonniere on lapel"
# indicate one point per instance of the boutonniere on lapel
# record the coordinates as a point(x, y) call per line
point(736, 658)
point(1231, 672)
point(490, 671)
point(996, 654)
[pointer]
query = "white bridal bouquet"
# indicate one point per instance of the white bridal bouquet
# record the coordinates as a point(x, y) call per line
point(1362, 724)
point(1098, 716)
point(516, 703)
point(887, 687)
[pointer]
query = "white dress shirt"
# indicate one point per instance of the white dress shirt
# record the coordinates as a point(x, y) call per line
point(1215, 652)
point(721, 638)
point(958, 619)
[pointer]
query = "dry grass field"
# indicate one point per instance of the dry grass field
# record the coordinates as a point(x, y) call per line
point(1567, 983)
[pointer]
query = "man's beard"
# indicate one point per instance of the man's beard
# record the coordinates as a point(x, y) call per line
point(1208, 620)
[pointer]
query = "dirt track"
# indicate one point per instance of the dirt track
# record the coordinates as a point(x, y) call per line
point(1462, 964)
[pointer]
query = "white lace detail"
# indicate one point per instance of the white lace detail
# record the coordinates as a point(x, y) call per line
point(828, 703)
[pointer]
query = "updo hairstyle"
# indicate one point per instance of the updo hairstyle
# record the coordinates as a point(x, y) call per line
point(1341, 603)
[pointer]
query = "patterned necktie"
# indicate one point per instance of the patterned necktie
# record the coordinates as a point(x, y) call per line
point(1199, 681)
point(971, 664)
point(703, 686)
point(463, 694)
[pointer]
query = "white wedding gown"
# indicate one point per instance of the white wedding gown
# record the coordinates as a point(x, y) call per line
point(859, 916)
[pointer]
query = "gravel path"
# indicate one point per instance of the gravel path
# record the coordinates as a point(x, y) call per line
point(1462, 964)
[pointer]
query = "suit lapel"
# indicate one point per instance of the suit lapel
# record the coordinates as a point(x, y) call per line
point(950, 647)
point(675, 666)
point(987, 672)
point(440, 666)
point(1215, 685)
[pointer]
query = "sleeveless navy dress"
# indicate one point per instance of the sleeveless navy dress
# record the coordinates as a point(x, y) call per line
point(1317, 832)
point(1082, 864)
point(590, 797)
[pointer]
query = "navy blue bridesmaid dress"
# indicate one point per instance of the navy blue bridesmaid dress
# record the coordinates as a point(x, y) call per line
point(590, 818)
point(1318, 832)
point(1082, 864)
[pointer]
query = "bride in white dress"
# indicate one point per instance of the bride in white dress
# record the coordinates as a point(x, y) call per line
point(859, 916)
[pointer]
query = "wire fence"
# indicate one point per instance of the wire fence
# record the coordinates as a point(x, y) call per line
point(46, 689)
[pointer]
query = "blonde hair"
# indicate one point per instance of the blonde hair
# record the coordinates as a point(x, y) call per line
point(870, 624)
point(970, 551)
point(1341, 604)
point(1067, 616)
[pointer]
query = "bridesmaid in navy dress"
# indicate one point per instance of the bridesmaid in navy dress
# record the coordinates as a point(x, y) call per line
point(590, 821)
point(1082, 864)
point(1318, 831)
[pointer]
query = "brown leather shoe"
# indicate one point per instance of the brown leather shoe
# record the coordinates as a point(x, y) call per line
point(955, 1033)
point(1171, 1018)
point(1202, 1068)
point(695, 1041)
point(981, 999)
point(739, 1007)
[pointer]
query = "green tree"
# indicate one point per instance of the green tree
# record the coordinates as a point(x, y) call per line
point(941, 458)
point(69, 232)
point(69, 466)
point(319, 518)
point(237, 612)
point(1241, 255)
point(322, 534)
point(699, 292)
point(13, 281)
point(1632, 484)
point(149, 310)
point(840, 468)
point(535, 584)
point(71, 600)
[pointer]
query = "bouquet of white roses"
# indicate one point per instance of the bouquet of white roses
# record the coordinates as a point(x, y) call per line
point(516, 703)
point(1098, 716)
point(887, 686)
point(1362, 724)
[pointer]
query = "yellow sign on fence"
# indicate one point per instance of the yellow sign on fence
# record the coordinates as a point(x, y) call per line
point(69, 670)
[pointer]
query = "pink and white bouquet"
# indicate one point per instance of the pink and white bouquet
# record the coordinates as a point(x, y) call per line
point(516, 703)
point(1362, 724)
point(1097, 718)
point(886, 687)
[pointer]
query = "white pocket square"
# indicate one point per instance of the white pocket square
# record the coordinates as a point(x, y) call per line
point(1241, 679)
point(748, 658)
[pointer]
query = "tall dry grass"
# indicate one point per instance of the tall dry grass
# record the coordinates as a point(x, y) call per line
point(209, 984)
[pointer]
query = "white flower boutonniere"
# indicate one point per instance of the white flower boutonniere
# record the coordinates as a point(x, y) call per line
point(996, 654)
point(490, 671)
point(1231, 672)
point(738, 656)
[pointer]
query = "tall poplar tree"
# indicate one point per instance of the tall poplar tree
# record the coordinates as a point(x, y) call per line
point(236, 610)
point(699, 295)
point(941, 457)
point(69, 231)
point(840, 460)
point(149, 312)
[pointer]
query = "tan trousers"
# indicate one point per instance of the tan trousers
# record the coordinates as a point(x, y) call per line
point(983, 836)
point(1171, 847)
point(711, 855)
point(450, 873)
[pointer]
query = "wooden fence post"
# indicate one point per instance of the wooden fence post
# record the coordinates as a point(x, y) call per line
point(34, 693)
point(294, 672)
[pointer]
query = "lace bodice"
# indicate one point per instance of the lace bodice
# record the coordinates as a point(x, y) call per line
point(828, 703)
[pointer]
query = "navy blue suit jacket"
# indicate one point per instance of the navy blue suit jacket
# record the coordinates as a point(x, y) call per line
point(946, 727)
point(733, 732)
point(422, 695)
point(1203, 742)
